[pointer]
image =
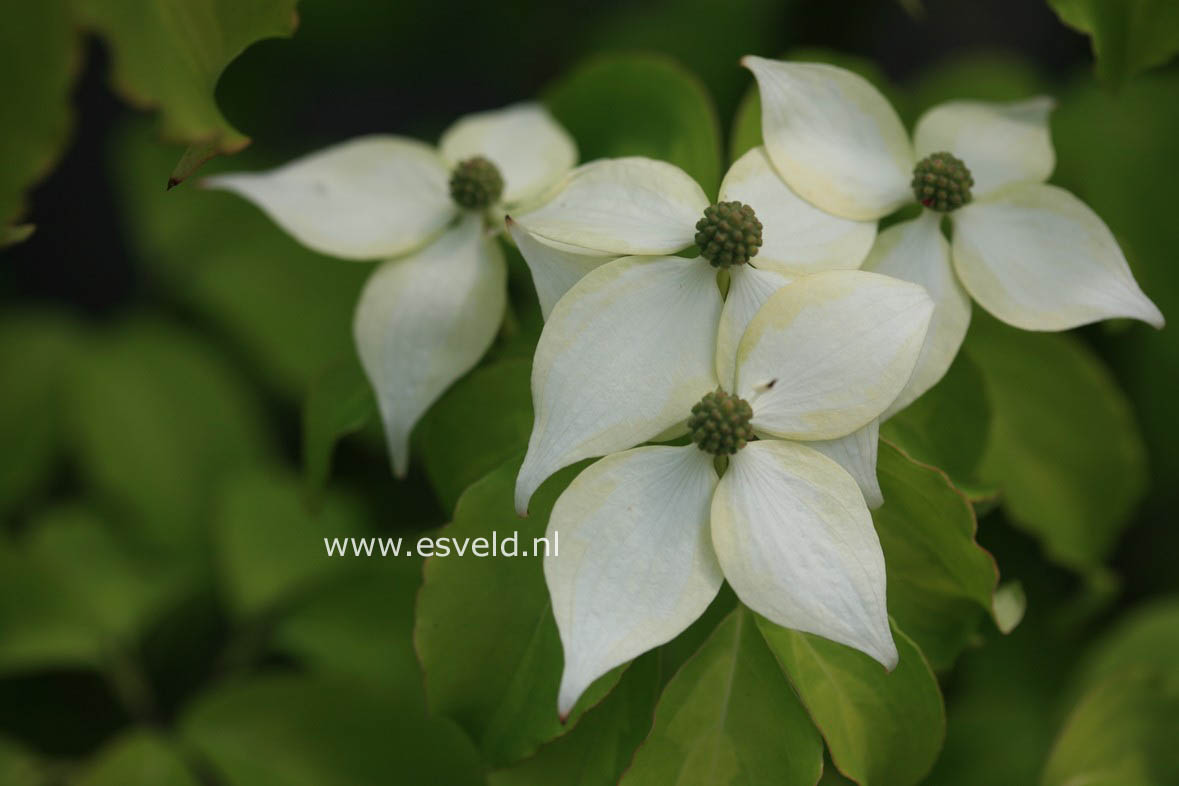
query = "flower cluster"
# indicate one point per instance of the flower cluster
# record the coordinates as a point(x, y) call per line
point(762, 334)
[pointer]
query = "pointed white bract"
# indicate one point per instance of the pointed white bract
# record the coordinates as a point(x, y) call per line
point(554, 269)
point(530, 149)
point(635, 565)
point(1038, 258)
point(834, 138)
point(796, 543)
point(856, 453)
point(621, 206)
point(424, 320)
point(917, 251)
point(797, 237)
point(624, 356)
point(1000, 143)
point(749, 289)
point(827, 354)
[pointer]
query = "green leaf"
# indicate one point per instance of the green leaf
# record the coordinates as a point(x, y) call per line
point(640, 105)
point(36, 351)
point(38, 42)
point(170, 53)
point(1129, 36)
point(880, 727)
point(948, 426)
point(288, 310)
point(270, 544)
point(597, 752)
point(18, 766)
point(485, 631)
point(1064, 447)
point(1147, 637)
point(1122, 733)
point(137, 758)
point(340, 402)
point(981, 76)
point(71, 594)
point(940, 581)
point(360, 626)
point(291, 730)
point(156, 418)
point(482, 421)
point(729, 716)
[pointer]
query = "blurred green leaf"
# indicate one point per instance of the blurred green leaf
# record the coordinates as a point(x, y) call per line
point(170, 53)
point(1146, 637)
point(18, 766)
point(729, 716)
point(156, 417)
point(1122, 733)
point(980, 76)
point(36, 353)
point(482, 421)
point(137, 758)
point(746, 129)
point(485, 631)
point(640, 105)
point(948, 426)
point(881, 727)
point(360, 626)
point(291, 730)
point(940, 582)
point(71, 594)
point(599, 750)
point(1128, 35)
point(340, 402)
point(270, 545)
point(1135, 130)
point(39, 43)
point(1064, 447)
point(288, 309)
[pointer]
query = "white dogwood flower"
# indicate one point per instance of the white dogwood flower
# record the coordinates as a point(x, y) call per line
point(1030, 253)
point(429, 312)
point(629, 348)
point(647, 535)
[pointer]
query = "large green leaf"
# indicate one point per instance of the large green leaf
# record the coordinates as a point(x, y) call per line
point(948, 426)
point(1122, 733)
point(36, 352)
point(640, 105)
point(1128, 35)
point(156, 417)
point(170, 53)
point(940, 582)
point(339, 402)
point(72, 595)
point(880, 727)
point(269, 544)
point(1064, 447)
point(1147, 637)
point(478, 424)
point(292, 730)
point(39, 50)
point(137, 758)
point(287, 309)
point(485, 631)
point(729, 717)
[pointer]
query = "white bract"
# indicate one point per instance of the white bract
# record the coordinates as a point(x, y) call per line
point(432, 308)
point(647, 535)
point(1032, 254)
point(629, 349)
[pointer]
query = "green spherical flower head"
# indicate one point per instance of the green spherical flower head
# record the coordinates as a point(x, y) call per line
point(942, 182)
point(729, 234)
point(476, 183)
point(720, 423)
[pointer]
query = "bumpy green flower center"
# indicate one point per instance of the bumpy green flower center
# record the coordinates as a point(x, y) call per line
point(720, 423)
point(476, 183)
point(942, 182)
point(729, 234)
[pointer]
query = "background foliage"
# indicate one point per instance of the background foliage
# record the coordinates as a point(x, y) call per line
point(183, 420)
